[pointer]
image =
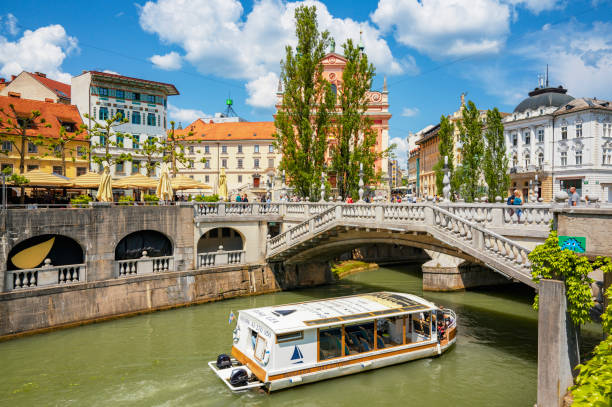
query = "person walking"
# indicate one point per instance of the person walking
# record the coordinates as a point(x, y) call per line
point(574, 198)
point(518, 200)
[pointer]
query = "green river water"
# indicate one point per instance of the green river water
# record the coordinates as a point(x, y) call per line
point(160, 359)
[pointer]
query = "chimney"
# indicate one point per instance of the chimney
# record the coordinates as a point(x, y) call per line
point(42, 75)
point(13, 77)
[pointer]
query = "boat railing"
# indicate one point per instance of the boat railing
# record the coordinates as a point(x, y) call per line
point(452, 315)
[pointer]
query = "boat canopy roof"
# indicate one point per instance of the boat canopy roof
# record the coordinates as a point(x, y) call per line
point(335, 311)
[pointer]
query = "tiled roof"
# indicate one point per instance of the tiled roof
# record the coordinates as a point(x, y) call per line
point(53, 113)
point(583, 104)
point(228, 131)
point(429, 134)
point(61, 89)
point(171, 89)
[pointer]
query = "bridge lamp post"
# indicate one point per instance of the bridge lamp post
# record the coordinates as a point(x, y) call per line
point(322, 187)
point(360, 182)
point(446, 181)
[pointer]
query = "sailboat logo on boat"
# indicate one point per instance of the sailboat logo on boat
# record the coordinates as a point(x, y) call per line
point(297, 356)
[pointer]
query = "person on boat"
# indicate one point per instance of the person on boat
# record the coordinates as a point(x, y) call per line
point(441, 331)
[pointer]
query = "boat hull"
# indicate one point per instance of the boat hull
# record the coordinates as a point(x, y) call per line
point(349, 367)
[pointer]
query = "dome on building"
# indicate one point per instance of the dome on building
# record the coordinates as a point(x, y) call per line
point(544, 97)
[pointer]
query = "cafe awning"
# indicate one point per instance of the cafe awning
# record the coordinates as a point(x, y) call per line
point(137, 181)
point(39, 178)
point(182, 183)
point(87, 180)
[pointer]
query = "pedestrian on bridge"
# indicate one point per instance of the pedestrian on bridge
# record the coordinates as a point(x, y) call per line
point(574, 198)
point(518, 200)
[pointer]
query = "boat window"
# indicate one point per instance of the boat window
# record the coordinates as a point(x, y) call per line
point(421, 324)
point(253, 338)
point(291, 336)
point(409, 328)
point(389, 332)
point(260, 348)
point(330, 343)
point(359, 338)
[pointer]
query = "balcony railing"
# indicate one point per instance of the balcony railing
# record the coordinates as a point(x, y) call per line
point(221, 258)
point(144, 265)
point(46, 275)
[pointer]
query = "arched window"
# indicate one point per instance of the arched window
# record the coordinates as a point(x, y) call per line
point(229, 238)
point(155, 243)
point(334, 89)
point(527, 160)
point(540, 158)
point(514, 160)
point(31, 253)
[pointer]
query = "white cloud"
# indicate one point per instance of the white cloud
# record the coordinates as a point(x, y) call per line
point(262, 91)
point(169, 62)
point(184, 116)
point(580, 56)
point(111, 72)
point(441, 28)
point(10, 22)
point(410, 111)
point(42, 50)
point(219, 39)
point(401, 150)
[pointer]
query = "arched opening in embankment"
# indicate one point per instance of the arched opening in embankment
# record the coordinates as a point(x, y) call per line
point(132, 246)
point(228, 238)
point(31, 253)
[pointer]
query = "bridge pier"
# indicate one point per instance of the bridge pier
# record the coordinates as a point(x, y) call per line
point(447, 273)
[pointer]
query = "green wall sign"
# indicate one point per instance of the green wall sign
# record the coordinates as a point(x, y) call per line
point(574, 243)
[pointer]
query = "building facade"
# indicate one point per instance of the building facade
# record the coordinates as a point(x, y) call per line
point(395, 174)
point(36, 86)
point(377, 110)
point(563, 141)
point(142, 102)
point(429, 155)
point(245, 150)
point(41, 155)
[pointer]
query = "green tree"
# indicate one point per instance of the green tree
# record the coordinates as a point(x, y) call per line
point(495, 163)
point(20, 130)
point(304, 118)
point(63, 147)
point(100, 150)
point(446, 148)
point(173, 149)
point(151, 151)
point(355, 138)
point(472, 150)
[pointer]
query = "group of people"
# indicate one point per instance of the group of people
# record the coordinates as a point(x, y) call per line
point(516, 199)
point(242, 198)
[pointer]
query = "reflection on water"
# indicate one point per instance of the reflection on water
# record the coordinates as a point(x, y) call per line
point(160, 359)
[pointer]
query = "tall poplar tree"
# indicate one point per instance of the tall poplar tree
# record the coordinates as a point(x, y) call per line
point(355, 138)
point(472, 151)
point(303, 121)
point(446, 148)
point(495, 163)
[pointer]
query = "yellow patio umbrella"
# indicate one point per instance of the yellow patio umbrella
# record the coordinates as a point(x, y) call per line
point(105, 190)
point(137, 181)
point(164, 187)
point(180, 182)
point(87, 180)
point(39, 178)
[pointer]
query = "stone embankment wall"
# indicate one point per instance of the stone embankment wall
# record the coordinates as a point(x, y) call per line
point(39, 310)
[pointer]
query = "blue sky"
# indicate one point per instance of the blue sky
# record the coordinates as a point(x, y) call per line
point(430, 50)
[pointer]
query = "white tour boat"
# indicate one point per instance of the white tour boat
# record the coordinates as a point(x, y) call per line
point(287, 345)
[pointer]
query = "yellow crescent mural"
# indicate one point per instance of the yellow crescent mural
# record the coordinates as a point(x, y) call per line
point(33, 255)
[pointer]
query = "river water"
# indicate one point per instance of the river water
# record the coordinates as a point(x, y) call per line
point(160, 359)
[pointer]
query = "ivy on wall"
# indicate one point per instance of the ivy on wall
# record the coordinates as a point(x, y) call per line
point(593, 386)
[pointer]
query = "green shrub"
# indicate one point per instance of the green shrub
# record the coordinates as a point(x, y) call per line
point(126, 200)
point(81, 201)
point(151, 199)
point(211, 198)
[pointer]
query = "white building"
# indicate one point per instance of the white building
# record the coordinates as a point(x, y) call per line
point(142, 102)
point(563, 141)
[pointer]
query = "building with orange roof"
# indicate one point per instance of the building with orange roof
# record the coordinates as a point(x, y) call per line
point(37, 86)
point(41, 156)
point(245, 150)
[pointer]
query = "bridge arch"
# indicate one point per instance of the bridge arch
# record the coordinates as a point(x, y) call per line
point(231, 239)
point(32, 252)
point(155, 243)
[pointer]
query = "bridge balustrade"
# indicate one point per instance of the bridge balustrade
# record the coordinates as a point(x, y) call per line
point(221, 258)
point(46, 275)
point(144, 265)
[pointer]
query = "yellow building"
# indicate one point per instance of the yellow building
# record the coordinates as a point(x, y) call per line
point(39, 155)
point(429, 154)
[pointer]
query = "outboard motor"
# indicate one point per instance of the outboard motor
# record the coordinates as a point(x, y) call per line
point(239, 378)
point(223, 361)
